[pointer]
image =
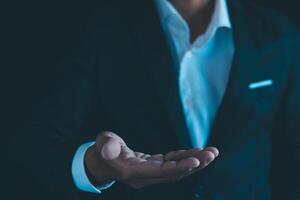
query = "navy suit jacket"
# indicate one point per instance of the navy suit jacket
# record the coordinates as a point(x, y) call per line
point(122, 80)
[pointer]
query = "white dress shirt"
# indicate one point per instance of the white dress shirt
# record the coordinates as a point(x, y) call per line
point(204, 68)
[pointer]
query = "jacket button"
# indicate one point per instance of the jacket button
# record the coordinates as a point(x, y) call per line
point(201, 193)
point(196, 196)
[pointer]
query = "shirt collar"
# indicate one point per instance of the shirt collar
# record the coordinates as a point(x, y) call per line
point(219, 19)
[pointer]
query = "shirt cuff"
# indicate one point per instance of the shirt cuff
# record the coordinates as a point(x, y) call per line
point(79, 174)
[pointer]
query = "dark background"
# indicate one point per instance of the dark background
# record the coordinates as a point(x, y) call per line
point(37, 35)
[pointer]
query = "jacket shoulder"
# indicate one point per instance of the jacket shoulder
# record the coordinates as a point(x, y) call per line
point(270, 23)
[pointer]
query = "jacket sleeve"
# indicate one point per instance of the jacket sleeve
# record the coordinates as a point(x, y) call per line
point(293, 124)
point(285, 176)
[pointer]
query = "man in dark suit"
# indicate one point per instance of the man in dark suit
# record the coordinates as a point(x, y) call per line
point(163, 76)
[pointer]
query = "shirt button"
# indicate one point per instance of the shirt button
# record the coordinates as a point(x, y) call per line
point(189, 54)
point(188, 102)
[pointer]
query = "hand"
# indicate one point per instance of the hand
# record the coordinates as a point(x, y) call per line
point(110, 159)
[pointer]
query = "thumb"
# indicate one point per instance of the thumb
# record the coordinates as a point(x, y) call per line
point(111, 149)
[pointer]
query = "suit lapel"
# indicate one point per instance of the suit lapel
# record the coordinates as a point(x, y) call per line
point(155, 52)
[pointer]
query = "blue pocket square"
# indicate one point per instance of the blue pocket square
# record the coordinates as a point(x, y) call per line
point(260, 84)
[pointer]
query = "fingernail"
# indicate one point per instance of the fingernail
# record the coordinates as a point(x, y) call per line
point(209, 159)
point(197, 163)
